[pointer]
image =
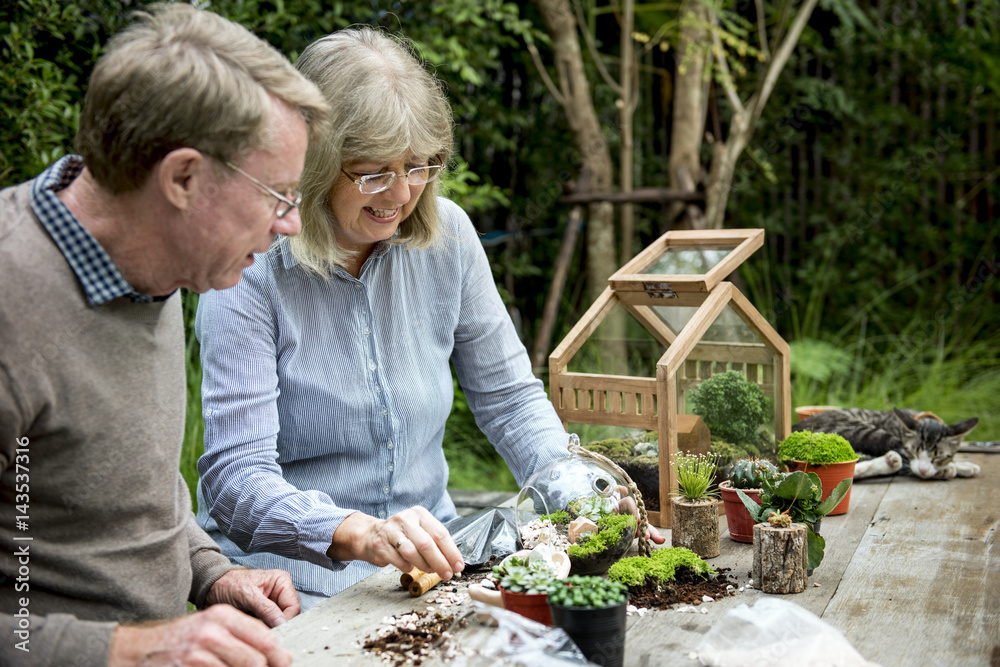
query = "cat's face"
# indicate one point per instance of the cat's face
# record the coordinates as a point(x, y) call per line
point(930, 445)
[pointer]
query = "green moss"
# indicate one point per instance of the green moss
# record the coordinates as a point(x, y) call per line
point(559, 517)
point(729, 452)
point(613, 448)
point(661, 566)
point(609, 533)
point(816, 448)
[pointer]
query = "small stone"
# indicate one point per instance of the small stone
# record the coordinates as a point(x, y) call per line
point(579, 526)
point(687, 609)
point(707, 598)
point(816, 584)
point(704, 611)
point(693, 655)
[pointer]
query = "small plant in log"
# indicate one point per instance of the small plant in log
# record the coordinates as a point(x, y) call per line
point(799, 496)
point(694, 508)
point(747, 474)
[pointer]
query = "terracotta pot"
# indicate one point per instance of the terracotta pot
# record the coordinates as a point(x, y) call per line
point(806, 411)
point(830, 475)
point(598, 632)
point(695, 526)
point(530, 605)
point(737, 515)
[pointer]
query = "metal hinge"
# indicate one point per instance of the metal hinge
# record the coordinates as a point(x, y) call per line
point(659, 290)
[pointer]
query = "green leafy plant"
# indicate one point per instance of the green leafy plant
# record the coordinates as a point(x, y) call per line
point(750, 473)
point(798, 495)
point(659, 567)
point(520, 577)
point(695, 473)
point(816, 448)
point(557, 518)
point(587, 592)
point(733, 407)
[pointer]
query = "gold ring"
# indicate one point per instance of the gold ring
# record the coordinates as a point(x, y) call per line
point(400, 542)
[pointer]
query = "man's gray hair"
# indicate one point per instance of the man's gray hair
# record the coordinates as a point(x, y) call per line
point(182, 77)
point(385, 106)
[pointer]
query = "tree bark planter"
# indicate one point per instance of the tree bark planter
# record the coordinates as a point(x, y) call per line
point(530, 605)
point(695, 526)
point(830, 474)
point(737, 516)
point(780, 557)
point(598, 632)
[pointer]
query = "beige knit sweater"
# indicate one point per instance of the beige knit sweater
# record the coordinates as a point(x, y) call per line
point(92, 404)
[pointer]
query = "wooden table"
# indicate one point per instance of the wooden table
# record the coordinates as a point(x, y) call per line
point(910, 577)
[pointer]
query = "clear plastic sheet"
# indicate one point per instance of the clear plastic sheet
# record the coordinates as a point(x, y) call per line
point(521, 641)
point(485, 537)
point(776, 633)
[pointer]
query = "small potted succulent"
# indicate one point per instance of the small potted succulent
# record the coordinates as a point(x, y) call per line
point(694, 509)
point(798, 496)
point(748, 475)
point(591, 610)
point(827, 454)
point(524, 587)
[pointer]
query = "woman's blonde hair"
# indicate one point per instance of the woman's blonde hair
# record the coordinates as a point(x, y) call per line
point(182, 77)
point(385, 105)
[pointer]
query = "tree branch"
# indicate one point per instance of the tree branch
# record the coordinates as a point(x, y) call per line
point(781, 55)
point(540, 66)
point(592, 48)
point(727, 78)
point(762, 29)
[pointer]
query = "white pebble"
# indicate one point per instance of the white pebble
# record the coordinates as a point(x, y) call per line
point(749, 583)
point(707, 598)
point(730, 589)
point(704, 611)
point(741, 589)
point(693, 655)
point(687, 609)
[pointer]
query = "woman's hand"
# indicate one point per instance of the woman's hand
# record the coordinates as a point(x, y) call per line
point(412, 538)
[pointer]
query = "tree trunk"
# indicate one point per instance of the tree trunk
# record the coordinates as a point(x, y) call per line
point(695, 526)
point(595, 158)
point(780, 557)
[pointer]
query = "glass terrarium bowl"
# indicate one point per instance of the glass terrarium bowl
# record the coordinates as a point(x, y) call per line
point(566, 500)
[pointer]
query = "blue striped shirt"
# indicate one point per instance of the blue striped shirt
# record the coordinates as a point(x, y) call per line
point(322, 397)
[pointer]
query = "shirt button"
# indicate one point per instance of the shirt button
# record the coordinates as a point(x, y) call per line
point(367, 331)
point(391, 467)
point(381, 514)
point(385, 411)
point(388, 445)
point(386, 489)
point(371, 365)
point(357, 285)
point(378, 389)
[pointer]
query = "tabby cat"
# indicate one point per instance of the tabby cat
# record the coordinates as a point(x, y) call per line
point(918, 443)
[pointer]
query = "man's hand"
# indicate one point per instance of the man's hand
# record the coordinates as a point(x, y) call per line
point(267, 594)
point(220, 635)
point(412, 538)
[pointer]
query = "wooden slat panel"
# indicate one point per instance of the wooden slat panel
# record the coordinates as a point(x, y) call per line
point(743, 352)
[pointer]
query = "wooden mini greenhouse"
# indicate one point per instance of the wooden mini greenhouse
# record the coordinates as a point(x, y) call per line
point(670, 322)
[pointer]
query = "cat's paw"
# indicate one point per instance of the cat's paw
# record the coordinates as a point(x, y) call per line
point(966, 468)
point(893, 461)
point(948, 472)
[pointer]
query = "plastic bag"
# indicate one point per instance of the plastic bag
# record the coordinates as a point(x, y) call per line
point(777, 633)
point(484, 537)
point(521, 641)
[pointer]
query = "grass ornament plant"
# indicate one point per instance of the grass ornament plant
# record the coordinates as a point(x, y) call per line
point(695, 475)
point(816, 448)
point(587, 592)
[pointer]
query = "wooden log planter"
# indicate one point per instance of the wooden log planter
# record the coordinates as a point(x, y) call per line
point(695, 526)
point(780, 557)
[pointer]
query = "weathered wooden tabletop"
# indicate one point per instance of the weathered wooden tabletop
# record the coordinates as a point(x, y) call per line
point(909, 578)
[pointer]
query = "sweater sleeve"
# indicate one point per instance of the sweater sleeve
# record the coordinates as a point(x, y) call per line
point(492, 365)
point(207, 561)
point(55, 640)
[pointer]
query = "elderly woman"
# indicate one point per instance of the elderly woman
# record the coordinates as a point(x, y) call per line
point(326, 371)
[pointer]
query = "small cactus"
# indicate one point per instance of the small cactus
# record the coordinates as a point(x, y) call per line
point(780, 520)
point(750, 473)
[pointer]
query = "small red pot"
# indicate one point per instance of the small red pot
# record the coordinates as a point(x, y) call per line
point(737, 516)
point(830, 475)
point(530, 605)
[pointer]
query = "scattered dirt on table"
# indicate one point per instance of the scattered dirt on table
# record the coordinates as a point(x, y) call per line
point(409, 639)
point(687, 588)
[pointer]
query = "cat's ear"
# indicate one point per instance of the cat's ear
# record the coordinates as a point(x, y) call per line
point(905, 419)
point(963, 427)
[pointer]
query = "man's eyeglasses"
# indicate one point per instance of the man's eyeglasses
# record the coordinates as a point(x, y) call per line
point(370, 184)
point(285, 203)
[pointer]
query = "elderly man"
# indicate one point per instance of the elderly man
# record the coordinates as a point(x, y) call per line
point(192, 140)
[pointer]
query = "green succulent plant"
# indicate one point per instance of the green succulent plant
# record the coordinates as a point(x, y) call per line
point(534, 577)
point(695, 474)
point(750, 473)
point(587, 592)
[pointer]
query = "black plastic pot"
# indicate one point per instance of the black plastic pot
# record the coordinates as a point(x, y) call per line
point(599, 632)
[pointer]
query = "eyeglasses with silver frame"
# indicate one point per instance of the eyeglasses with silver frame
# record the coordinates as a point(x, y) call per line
point(370, 184)
point(284, 205)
